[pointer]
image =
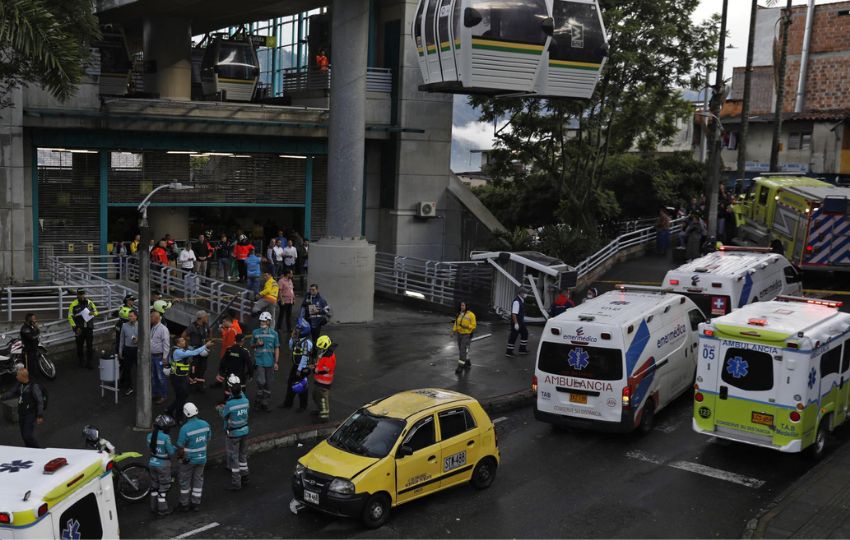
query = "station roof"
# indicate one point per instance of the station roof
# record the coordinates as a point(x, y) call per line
point(204, 15)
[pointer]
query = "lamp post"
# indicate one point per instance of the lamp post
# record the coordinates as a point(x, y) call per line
point(714, 148)
point(144, 404)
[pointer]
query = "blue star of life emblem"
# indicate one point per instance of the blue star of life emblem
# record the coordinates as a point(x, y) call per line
point(15, 466)
point(737, 367)
point(71, 530)
point(578, 358)
point(813, 378)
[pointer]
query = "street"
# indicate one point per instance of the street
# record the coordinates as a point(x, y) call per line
point(672, 483)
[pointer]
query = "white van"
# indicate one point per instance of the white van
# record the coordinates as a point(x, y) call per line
point(733, 277)
point(56, 493)
point(775, 374)
point(612, 362)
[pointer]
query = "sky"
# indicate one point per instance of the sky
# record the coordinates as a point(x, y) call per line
point(468, 134)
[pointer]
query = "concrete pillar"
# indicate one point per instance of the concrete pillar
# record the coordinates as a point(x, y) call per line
point(168, 44)
point(343, 264)
point(16, 233)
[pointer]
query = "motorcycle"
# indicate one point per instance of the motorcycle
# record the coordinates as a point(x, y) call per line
point(12, 354)
point(132, 480)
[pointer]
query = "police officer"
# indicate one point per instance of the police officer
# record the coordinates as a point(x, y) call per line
point(83, 329)
point(266, 345)
point(178, 371)
point(235, 415)
point(302, 351)
point(197, 334)
point(192, 442)
point(127, 306)
point(159, 443)
point(323, 377)
point(518, 324)
point(30, 332)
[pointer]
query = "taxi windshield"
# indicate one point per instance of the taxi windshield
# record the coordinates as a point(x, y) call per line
point(365, 434)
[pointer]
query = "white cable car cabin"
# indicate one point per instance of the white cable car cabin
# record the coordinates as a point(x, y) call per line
point(115, 65)
point(502, 46)
point(230, 68)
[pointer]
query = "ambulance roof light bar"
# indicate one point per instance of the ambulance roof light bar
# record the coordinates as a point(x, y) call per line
point(750, 249)
point(622, 287)
point(814, 301)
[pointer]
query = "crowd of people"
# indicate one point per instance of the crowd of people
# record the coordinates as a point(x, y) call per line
point(694, 233)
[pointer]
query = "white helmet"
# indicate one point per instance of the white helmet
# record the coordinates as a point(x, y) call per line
point(233, 380)
point(190, 410)
point(265, 316)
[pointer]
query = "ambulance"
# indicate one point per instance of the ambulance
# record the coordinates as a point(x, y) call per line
point(612, 362)
point(774, 374)
point(56, 493)
point(733, 277)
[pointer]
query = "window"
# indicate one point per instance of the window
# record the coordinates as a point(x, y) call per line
point(417, 25)
point(581, 361)
point(455, 422)
point(696, 317)
point(845, 359)
point(368, 435)
point(430, 36)
point(82, 519)
point(422, 434)
point(730, 140)
point(747, 369)
point(443, 25)
point(800, 140)
point(763, 193)
point(578, 34)
point(830, 362)
point(791, 275)
point(511, 21)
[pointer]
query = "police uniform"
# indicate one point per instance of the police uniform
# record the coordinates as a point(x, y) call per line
point(518, 310)
point(235, 415)
point(84, 330)
point(160, 467)
point(193, 438)
point(180, 367)
point(302, 350)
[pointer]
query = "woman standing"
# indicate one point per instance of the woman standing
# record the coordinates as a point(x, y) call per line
point(464, 326)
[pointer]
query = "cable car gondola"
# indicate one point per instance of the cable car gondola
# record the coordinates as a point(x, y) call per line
point(546, 47)
point(230, 68)
point(115, 65)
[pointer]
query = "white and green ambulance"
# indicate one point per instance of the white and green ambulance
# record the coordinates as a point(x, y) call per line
point(774, 374)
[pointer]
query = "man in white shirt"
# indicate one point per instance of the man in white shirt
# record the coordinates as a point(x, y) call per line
point(277, 258)
point(518, 328)
point(290, 255)
point(186, 260)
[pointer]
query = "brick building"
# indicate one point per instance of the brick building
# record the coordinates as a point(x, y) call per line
point(817, 138)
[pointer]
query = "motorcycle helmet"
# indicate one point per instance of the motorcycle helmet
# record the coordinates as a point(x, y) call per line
point(300, 386)
point(128, 296)
point(91, 434)
point(164, 422)
point(323, 343)
point(266, 316)
point(190, 410)
point(303, 327)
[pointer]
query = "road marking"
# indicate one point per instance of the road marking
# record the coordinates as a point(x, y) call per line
point(668, 427)
point(698, 468)
point(193, 532)
point(481, 337)
point(705, 470)
point(500, 419)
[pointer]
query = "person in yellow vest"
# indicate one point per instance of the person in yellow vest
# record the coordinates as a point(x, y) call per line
point(464, 326)
point(267, 297)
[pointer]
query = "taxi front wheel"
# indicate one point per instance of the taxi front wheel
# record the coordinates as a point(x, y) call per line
point(484, 473)
point(376, 511)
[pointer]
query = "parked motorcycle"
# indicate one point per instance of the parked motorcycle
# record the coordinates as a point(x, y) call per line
point(132, 480)
point(12, 354)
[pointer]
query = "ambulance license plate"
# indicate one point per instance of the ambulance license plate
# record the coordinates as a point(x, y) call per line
point(311, 497)
point(578, 398)
point(762, 418)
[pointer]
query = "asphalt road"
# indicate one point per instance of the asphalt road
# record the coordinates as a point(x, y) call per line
point(671, 483)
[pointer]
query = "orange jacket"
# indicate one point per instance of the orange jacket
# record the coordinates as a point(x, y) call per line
point(325, 367)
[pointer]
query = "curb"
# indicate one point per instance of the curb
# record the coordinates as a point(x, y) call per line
point(304, 434)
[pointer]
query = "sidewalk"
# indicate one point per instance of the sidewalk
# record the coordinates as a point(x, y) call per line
point(815, 506)
point(402, 349)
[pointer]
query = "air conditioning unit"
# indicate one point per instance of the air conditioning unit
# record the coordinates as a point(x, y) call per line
point(427, 209)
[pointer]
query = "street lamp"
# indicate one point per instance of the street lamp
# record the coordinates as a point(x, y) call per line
point(144, 404)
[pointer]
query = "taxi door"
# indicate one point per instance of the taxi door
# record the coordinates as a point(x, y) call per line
point(418, 474)
point(460, 443)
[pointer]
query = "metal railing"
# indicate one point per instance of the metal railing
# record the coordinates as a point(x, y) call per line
point(299, 79)
point(47, 300)
point(443, 283)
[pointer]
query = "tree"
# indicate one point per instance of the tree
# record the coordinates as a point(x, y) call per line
point(45, 42)
point(551, 155)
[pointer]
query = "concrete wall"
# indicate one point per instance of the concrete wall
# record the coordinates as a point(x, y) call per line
point(822, 157)
point(16, 248)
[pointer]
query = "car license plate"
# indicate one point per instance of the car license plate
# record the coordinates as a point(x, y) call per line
point(578, 398)
point(762, 418)
point(311, 497)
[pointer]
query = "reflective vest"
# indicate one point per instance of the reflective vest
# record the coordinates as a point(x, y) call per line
point(325, 368)
point(164, 450)
point(235, 414)
point(520, 315)
point(301, 350)
point(193, 438)
point(180, 367)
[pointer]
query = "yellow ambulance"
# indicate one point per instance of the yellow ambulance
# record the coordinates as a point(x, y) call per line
point(774, 374)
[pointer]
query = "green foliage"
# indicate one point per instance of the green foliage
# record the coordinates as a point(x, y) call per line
point(45, 42)
point(517, 239)
point(552, 161)
point(569, 244)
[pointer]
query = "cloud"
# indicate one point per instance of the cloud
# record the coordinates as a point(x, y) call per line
point(476, 135)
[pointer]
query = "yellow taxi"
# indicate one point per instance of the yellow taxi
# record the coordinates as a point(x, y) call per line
point(395, 450)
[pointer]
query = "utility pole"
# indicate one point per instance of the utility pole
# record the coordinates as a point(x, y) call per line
point(780, 90)
point(144, 405)
point(745, 107)
point(714, 159)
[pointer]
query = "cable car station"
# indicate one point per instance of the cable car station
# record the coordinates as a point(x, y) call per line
point(334, 120)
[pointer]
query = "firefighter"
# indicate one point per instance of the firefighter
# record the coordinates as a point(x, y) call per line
point(323, 377)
